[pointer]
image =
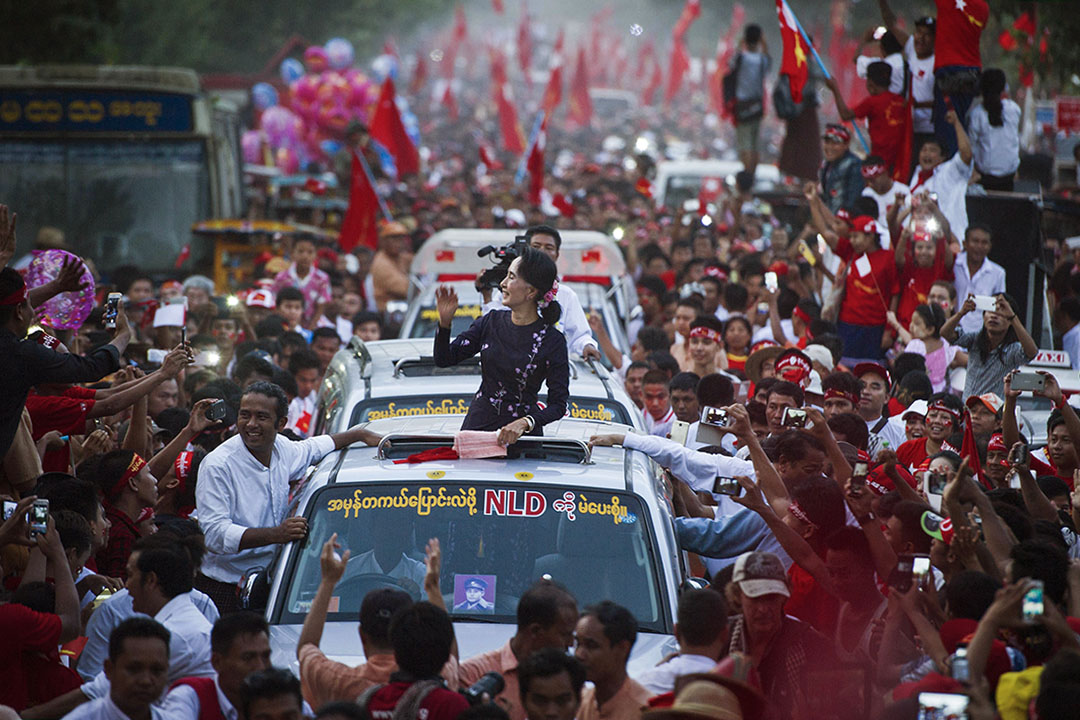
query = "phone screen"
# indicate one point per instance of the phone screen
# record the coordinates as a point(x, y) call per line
point(943, 705)
point(39, 516)
point(1032, 606)
point(727, 486)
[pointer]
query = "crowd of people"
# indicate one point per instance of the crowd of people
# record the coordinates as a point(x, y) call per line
point(830, 396)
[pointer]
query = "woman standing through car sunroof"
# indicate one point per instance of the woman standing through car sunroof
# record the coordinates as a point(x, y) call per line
point(519, 347)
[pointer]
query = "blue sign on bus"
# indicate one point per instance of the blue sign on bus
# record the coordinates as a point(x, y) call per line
point(93, 111)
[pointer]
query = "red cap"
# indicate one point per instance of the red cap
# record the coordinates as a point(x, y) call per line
point(880, 483)
point(872, 367)
point(997, 443)
point(843, 214)
point(864, 224)
point(835, 131)
point(779, 267)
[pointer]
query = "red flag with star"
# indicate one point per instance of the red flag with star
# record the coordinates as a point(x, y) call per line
point(796, 53)
point(580, 114)
point(389, 130)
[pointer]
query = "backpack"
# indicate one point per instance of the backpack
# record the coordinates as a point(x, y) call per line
point(785, 106)
point(728, 84)
point(408, 706)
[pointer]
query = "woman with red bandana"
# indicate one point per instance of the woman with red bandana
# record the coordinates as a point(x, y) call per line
point(1062, 430)
point(996, 468)
point(942, 420)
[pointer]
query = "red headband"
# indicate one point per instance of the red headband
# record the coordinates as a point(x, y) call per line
point(799, 514)
point(16, 298)
point(133, 468)
point(182, 466)
point(843, 395)
point(705, 332)
point(869, 171)
point(801, 314)
point(939, 405)
point(997, 443)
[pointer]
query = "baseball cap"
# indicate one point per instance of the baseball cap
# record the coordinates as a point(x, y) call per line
point(820, 354)
point(864, 224)
point(872, 367)
point(991, 401)
point(760, 573)
point(917, 407)
point(260, 299)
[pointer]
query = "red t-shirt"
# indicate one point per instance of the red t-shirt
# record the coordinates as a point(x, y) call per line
point(912, 452)
point(810, 603)
point(865, 297)
point(885, 115)
point(66, 414)
point(895, 407)
point(1039, 468)
point(959, 26)
point(915, 282)
point(24, 631)
point(440, 703)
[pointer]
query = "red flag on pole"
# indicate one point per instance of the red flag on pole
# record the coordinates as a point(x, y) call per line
point(360, 226)
point(535, 164)
point(512, 135)
point(691, 11)
point(450, 102)
point(389, 131)
point(487, 156)
point(553, 91)
point(419, 76)
point(498, 66)
point(680, 57)
point(656, 79)
point(580, 114)
point(796, 53)
point(524, 44)
point(969, 450)
point(457, 37)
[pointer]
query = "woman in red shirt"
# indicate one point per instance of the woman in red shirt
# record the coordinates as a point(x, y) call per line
point(868, 284)
point(943, 418)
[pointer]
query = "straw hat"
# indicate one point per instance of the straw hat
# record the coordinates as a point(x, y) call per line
point(704, 699)
point(760, 357)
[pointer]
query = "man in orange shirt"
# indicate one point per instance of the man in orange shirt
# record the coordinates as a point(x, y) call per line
point(546, 616)
point(324, 680)
point(605, 634)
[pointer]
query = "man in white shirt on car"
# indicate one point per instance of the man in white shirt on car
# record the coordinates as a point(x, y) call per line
point(573, 323)
point(947, 178)
point(976, 274)
point(243, 491)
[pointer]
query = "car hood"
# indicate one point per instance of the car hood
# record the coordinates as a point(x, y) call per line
point(341, 642)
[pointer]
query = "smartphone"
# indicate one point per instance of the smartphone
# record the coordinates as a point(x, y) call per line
point(920, 570)
point(216, 411)
point(858, 475)
point(1020, 456)
point(985, 303)
point(727, 486)
point(112, 308)
point(935, 482)
point(715, 416)
point(807, 253)
point(763, 308)
point(771, 282)
point(794, 417)
point(1032, 606)
point(959, 666)
point(900, 577)
point(183, 334)
point(679, 431)
point(1028, 382)
point(38, 517)
point(9, 509)
point(742, 392)
point(156, 355)
point(953, 706)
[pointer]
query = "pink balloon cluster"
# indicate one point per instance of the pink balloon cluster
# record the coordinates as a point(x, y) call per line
point(313, 115)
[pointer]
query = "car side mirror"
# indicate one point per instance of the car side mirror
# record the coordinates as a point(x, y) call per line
point(694, 583)
point(254, 588)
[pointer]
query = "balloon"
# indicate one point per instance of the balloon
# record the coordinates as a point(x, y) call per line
point(287, 161)
point(305, 88)
point(339, 53)
point(384, 65)
point(315, 59)
point(251, 144)
point(68, 310)
point(330, 148)
point(291, 70)
point(359, 91)
point(264, 96)
point(281, 126)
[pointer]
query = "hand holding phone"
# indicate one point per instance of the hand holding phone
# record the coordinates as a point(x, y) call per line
point(39, 517)
point(112, 309)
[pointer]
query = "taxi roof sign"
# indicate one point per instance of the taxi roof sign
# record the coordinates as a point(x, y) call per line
point(1052, 358)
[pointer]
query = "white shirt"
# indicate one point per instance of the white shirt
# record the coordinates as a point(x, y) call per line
point(114, 611)
point(189, 645)
point(236, 492)
point(661, 679)
point(890, 436)
point(949, 181)
point(298, 408)
point(765, 333)
point(182, 703)
point(1070, 343)
point(996, 149)
point(572, 322)
point(697, 469)
point(895, 61)
point(105, 709)
point(989, 279)
point(922, 86)
point(660, 427)
point(884, 202)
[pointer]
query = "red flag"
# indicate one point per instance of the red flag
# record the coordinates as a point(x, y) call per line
point(419, 76)
point(524, 44)
point(656, 79)
point(1007, 41)
point(487, 156)
point(644, 187)
point(563, 205)
point(580, 114)
point(970, 451)
point(457, 37)
point(512, 135)
point(796, 53)
point(360, 223)
point(498, 66)
point(535, 165)
point(680, 63)
point(497, 6)
point(553, 91)
point(450, 102)
point(185, 253)
point(389, 131)
point(691, 11)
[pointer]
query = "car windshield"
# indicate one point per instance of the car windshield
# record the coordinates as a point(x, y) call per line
point(427, 321)
point(580, 408)
point(496, 541)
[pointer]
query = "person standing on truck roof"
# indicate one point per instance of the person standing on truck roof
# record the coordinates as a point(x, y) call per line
point(520, 348)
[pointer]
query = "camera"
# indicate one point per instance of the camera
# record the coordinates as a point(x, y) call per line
point(216, 411)
point(39, 517)
point(502, 256)
point(936, 482)
point(491, 684)
point(727, 486)
point(715, 416)
point(794, 418)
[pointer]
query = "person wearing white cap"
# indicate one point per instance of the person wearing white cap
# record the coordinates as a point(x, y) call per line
point(914, 418)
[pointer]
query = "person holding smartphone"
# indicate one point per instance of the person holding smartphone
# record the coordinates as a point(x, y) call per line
point(1001, 346)
point(1059, 457)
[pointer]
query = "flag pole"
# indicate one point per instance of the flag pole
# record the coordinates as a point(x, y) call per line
point(371, 181)
point(533, 135)
point(821, 64)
